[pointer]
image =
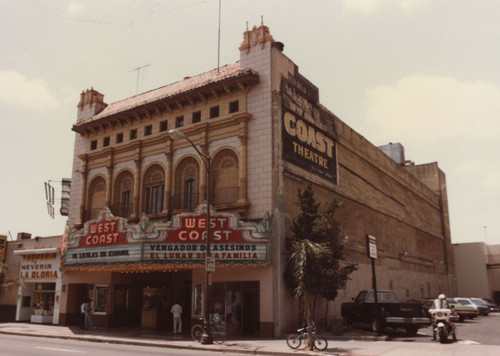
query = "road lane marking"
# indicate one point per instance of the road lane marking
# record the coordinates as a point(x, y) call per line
point(62, 350)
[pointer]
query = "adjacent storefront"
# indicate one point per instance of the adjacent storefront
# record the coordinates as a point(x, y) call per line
point(40, 286)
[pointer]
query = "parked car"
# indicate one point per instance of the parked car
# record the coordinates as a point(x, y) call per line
point(393, 313)
point(493, 306)
point(466, 310)
point(481, 306)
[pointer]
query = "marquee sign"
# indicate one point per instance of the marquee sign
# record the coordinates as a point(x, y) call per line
point(181, 241)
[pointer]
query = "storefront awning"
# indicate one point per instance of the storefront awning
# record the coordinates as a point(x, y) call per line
point(37, 251)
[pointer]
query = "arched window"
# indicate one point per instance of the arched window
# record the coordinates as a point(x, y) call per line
point(225, 178)
point(123, 195)
point(190, 190)
point(154, 187)
point(97, 198)
point(186, 184)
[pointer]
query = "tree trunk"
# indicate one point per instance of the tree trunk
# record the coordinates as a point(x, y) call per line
point(310, 340)
point(326, 314)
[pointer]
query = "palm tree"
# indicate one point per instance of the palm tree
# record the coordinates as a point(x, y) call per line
point(315, 255)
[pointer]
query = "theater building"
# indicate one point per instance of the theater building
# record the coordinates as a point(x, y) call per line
point(135, 241)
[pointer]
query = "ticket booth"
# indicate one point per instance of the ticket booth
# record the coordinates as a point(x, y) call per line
point(155, 304)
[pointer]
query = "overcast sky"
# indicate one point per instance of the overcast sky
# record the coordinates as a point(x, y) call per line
point(424, 73)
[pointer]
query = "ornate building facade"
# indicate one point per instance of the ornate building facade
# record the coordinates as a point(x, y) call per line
point(135, 241)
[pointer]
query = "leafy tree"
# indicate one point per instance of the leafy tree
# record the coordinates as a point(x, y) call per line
point(5, 284)
point(315, 254)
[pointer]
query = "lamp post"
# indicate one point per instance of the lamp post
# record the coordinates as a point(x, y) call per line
point(207, 337)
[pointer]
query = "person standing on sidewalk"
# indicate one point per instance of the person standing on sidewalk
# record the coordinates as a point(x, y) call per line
point(177, 314)
point(87, 316)
point(82, 309)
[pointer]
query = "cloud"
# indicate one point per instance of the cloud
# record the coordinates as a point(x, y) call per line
point(368, 6)
point(435, 109)
point(15, 89)
point(452, 122)
point(75, 8)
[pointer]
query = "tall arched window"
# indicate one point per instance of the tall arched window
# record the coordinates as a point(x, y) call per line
point(154, 187)
point(97, 198)
point(123, 195)
point(225, 177)
point(186, 184)
point(190, 197)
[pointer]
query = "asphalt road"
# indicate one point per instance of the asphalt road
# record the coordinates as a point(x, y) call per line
point(484, 330)
point(40, 346)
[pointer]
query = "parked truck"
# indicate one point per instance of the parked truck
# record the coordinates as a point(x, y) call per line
point(393, 313)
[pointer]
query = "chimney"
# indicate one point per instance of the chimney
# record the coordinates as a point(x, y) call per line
point(91, 103)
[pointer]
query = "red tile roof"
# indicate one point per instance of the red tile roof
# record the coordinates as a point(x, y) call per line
point(224, 73)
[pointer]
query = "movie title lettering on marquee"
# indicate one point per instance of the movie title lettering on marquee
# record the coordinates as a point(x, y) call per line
point(181, 241)
point(304, 144)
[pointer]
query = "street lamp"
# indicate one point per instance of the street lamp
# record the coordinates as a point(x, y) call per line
point(207, 337)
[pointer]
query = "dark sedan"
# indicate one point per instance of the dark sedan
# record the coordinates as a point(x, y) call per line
point(493, 307)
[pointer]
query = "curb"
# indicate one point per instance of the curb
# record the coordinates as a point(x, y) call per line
point(224, 348)
point(112, 340)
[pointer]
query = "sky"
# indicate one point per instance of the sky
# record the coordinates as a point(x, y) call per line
point(424, 73)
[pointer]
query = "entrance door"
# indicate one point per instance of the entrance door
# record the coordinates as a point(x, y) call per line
point(250, 320)
point(77, 293)
point(241, 306)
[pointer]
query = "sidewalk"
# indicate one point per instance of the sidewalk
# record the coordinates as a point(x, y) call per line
point(160, 338)
point(353, 342)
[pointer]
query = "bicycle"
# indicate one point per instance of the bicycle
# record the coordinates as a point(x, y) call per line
point(217, 328)
point(294, 340)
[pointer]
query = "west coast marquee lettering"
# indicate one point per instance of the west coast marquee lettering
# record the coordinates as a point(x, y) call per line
point(101, 233)
point(181, 241)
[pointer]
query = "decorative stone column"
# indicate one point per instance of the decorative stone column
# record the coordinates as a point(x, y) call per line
point(137, 184)
point(168, 180)
point(203, 168)
point(83, 198)
point(243, 191)
point(109, 178)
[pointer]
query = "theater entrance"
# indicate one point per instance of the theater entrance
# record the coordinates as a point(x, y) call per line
point(237, 303)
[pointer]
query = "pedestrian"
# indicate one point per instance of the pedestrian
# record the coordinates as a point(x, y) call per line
point(177, 313)
point(88, 318)
point(82, 309)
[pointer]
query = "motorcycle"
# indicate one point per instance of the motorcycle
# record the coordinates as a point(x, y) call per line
point(442, 326)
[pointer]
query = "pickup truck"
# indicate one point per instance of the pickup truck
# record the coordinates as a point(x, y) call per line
point(393, 313)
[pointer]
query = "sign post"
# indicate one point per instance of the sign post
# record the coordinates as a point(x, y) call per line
point(371, 244)
point(210, 264)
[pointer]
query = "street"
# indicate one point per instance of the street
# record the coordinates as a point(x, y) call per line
point(483, 330)
point(478, 337)
point(40, 346)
